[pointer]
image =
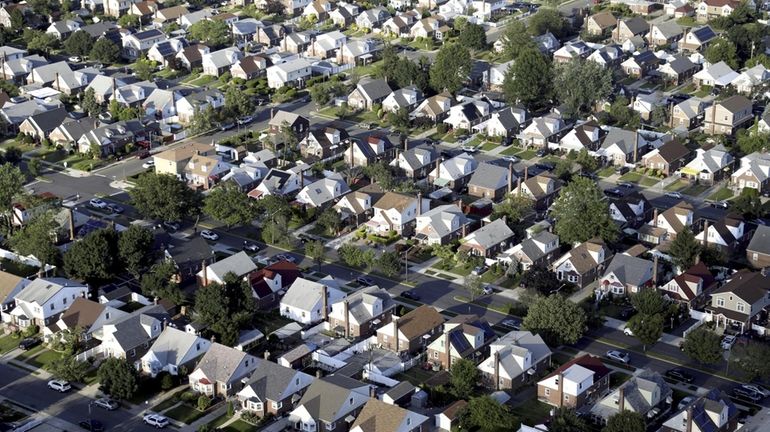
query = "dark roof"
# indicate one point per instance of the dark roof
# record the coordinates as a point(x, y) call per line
point(735, 103)
point(760, 241)
point(749, 286)
point(587, 361)
point(673, 151)
point(49, 120)
point(637, 25)
point(375, 89)
point(194, 250)
point(148, 34)
point(98, 29)
point(704, 33)
point(646, 57)
point(681, 64)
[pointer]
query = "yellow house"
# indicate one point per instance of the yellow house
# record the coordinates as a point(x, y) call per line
point(173, 161)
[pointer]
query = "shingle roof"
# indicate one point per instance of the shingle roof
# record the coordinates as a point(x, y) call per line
point(172, 346)
point(491, 234)
point(270, 380)
point(630, 270)
point(220, 362)
point(419, 322)
point(41, 290)
point(760, 241)
point(749, 286)
point(238, 264)
point(378, 416)
point(325, 399)
point(82, 313)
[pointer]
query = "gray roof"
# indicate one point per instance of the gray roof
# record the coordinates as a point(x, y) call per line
point(270, 380)
point(17, 113)
point(374, 89)
point(49, 120)
point(327, 397)
point(518, 343)
point(530, 248)
point(42, 289)
point(490, 176)
point(172, 346)
point(130, 330)
point(358, 301)
point(760, 241)
point(97, 29)
point(491, 234)
point(681, 64)
point(630, 270)
point(418, 157)
point(623, 138)
point(220, 362)
point(239, 264)
point(441, 218)
point(304, 294)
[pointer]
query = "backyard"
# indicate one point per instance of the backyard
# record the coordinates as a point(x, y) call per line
point(532, 412)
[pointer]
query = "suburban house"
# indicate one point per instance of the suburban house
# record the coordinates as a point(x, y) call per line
point(491, 181)
point(448, 419)
point(250, 67)
point(324, 144)
point(630, 210)
point(328, 403)
point(189, 257)
point(488, 240)
point(584, 263)
point(309, 302)
point(640, 394)
point(276, 182)
point(41, 301)
point(134, 45)
point(411, 332)
point(585, 136)
point(697, 39)
point(283, 120)
point(628, 28)
point(709, 166)
point(434, 108)
point(172, 350)
point(368, 93)
point(543, 130)
point(440, 225)
point(505, 123)
point(708, 9)
point(622, 146)
point(725, 234)
point(415, 162)
point(754, 172)
point(717, 74)
point(174, 161)
point(668, 158)
point(641, 64)
point(267, 283)
point(692, 287)
point(688, 114)
point(536, 250)
point(397, 212)
point(627, 274)
point(222, 370)
point(599, 23)
point(575, 384)
point(83, 316)
point(358, 314)
point(187, 106)
point(323, 192)
point(239, 265)
point(273, 389)
point(291, 73)
point(404, 98)
point(726, 116)
point(205, 171)
point(381, 416)
point(758, 250)
point(218, 62)
point(511, 359)
point(665, 33)
point(370, 150)
point(542, 189)
point(467, 114)
point(678, 70)
point(130, 336)
point(355, 206)
point(737, 302)
point(453, 173)
point(464, 337)
point(39, 126)
point(714, 411)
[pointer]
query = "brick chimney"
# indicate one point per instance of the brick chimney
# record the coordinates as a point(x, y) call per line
point(706, 235)
point(518, 185)
point(655, 217)
point(419, 203)
point(447, 351)
point(526, 173)
point(655, 272)
point(301, 179)
point(497, 370)
point(325, 300)
point(438, 169)
point(346, 310)
point(636, 147)
point(621, 400)
point(352, 143)
point(204, 268)
point(266, 355)
point(510, 176)
point(688, 420)
point(395, 334)
point(71, 223)
point(406, 143)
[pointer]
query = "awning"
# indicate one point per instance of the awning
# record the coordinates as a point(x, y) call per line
point(689, 171)
point(441, 182)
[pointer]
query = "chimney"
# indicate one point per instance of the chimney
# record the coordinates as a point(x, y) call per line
point(465, 229)
point(655, 217)
point(352, 143)
point(372, 392)
point(58, 87)
point(325, 299)
point(560, 377)
point(497, 370)
point(419, 203)
point(448, 351)
point(706, 234)
point(688, 420)
point(114, 87)
point(266, 355)
point(301, 179)
point(636, 146)
point(204, 267)
point(526, 173)
point(438, 169)
point(272, 113)
point(510, 177)
point(518, 185)
point(346, 311)
point(395, 333)
point(318, 373)
point(655, 272)
point(621, 400)
point(406, 143)
point(671, 115)
point(72, 224)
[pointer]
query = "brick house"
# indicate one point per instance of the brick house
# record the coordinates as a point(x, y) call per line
point(584, 263)
point(667, 158)
point(464, 337)
point(411, 332)
point(576, 383)
point(758, 250)
point(358, 314)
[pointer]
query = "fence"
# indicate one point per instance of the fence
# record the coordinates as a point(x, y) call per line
point(28, 260)
point(327, 363)
point(379, 379)
point(694, 326)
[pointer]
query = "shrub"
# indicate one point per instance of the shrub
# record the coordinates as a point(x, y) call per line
point(204, 402)
point(442, 128)
point(166, 383)
point(230, 410)
point(188, 396)
point(31, 331)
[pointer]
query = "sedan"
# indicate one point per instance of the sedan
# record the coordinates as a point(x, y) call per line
point(615, 193)
point(756, 388)
point(97, 203)
point(728, 342)
point(676, 195)
point(545, 166)
point(620, 356)
point(92, 425)
point(511, 323)
point(245, 120)
point(148, 164)
point(29, 343)
point(249, 246)
point(226, 126)
point(679, 375)
point(115, 208)
point(60, 386)
point(512, 159)
point(720, 204)
point(75, 59)
point(541, 152)
point(409, 294)
point(488, 290)
point(626, 185)
point(684, 402)
point(284, 257)
point(106, 403)
point(748, 395)
point(365, 281)
point(156, 420)
point(209, 235)
point(173, 226)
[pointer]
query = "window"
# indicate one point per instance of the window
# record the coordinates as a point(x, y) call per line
point(64, 300)
point(572, 278)
point(566, 398)
point(435, 354)
point(351, 401)
point(720, 302)
point(741, 307)
point(256, 406)
point(547, 392)
point(754, 256)
point(52, 306)
point(277, 405)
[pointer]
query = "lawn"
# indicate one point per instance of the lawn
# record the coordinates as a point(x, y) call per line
point(631, 177)
point(82, 162)
point(239, 426)
point(268, 322)
point(11, 142)
point(184, 413)
point(461, 270)
point(202, 80)
point(511, 151)
point(532, 412)
point(527, 154)
point(677, 185)
point(606, 171)
point(8, 343)
point(695, 190)
point(44, 359)
point(17, 268)
point(219, 421)
point(369, 69)
point(489, 146)
point(721, 195)
point(415, 375)
point(191, 77)
point(703, 92)
point(649, 181)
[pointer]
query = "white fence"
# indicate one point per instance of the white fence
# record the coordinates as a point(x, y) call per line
point(327, 363)
point(694, 326)
point(28, 260)
point(379, 379)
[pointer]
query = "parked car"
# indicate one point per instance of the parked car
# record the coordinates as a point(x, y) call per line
point(29, 343)
point(156, 420)
point(115, 208)
point(470, 150)
point(512, 159)
point(171, 225)
point(626, 185)
point(747, 395)
point(226, 126)
point(758, 389)
point(511, 323)
point(245, 120)
point(680, 375)
point(106, 403)
point(92, 425)
point(97, 203)
point(210, 235)
point(588, 175)
point(621, 170)
point(628, 332)
point(684, 402)
point(620, 356)
point(144, 154)
point(284, 257)
point(720, 204)
point(366, 126)
point(728, 342)
point(60, 386)
point(75, 59)
point(365, 281)
point(488, 290)
point(479, 270)
point(148, 164)
point(676, 195)
point(615, 193)
point(545, 166)
point(249, 246)
point(542, 152)
point(411, 295)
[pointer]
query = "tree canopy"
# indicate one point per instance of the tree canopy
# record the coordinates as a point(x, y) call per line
point(486, 414)
point(703, 346)
point(164, 197)
point(93, 258)
point(105, 51)
point(35, 238)
point(228, 204)
point(451, 68)
point(118, 378)
point(213, 33)
point(548, 20)
point(135, 248)
point(565, 420)
point(626, 421)
point(516, 39)
point(529, 80)
point(464, 377)
point(473, 36)
point(752, 360)
point(582, 213)
point(541, 279)
point(159, 283)
point(722, 50)
point(579, 83)
point(225, 307)
point(684, 249)
point(79, 43)
point(557, 319)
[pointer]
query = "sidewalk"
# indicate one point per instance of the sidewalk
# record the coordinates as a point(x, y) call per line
point(621, 325)
point(208, 418)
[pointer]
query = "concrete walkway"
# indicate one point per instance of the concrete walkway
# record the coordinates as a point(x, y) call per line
point(208, 418)
point(621, 325)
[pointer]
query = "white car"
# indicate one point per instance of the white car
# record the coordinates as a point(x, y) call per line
point(512, 159)
point(156, 420)
point(97, 203)
point(728, 342)
point(209, 235)
point(620, 356)
point(60, 386)
point(758, 389)
point(148, 164)
point(676, 195)
point(684, 402)
point(106, 403)
point(627, 331)
point(488, 290)
point(75, 59)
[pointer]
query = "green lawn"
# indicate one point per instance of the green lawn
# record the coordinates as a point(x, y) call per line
point(703, 92)
point(511, 151)
point(606, 171)
point(11, 142)
point(219, 421)
point(649, 181)
point(44, 359)
point(526, 154)
point(82, 162)
point(631, 177)
point(677, 185)
point(695, 190)
point(191, 77)
point(369, 69)
point(202, 80)
point(239, 426)
point(721, 195)
point(532, 412)
point(166, 404)
point(8, 343)
point(184, 413)
point(461, 270)
point(415, 375)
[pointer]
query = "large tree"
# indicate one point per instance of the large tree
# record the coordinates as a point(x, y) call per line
point(89, 103)
point(237, 102)
point(135, 248)
point(473, 36)
point(79, 43)
point(486, 414)
point(626, 421)
point(557, 319)
point(464, 377)
point(105, 51)
point(473, 285)
point(582, 213)
point(93, 258)
point(159, 283)
point(540, 279)
point(529, 80)
point(703, 346)
point(684, 249)
point(516, 40)
point(548, 20)
point(230, 205)
point(130, 21)
point(451, 68)
point(164, 197)
point(752, 360)
point(36, 239)
point(69, 368)
point(211, 32)
point(646, 328)
point(565, 420)
point(225, 307)
point(580, 83)
point(315, 251)
point(11, 182)
point(649, 302)
point(118, 378)
point(722, 50)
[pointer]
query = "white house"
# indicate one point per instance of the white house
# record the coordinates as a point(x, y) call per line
point(304, 301)
point(218, 62)
point(129, 336)
point(173, 349)
point(396, 212)
point(44, 299)
point(293, 73)
point(342, 398)
point(324, 191)
point(137, 43)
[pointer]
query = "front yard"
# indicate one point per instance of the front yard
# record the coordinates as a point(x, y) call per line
point(184, 413)
point(721, 195)
point(8, 343)
point(640, 179)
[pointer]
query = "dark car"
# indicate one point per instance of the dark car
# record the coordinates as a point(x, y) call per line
point(621, 170)
point(92, 425)
point(545, 166)
point(115, 208)
point(366, 281)
point(615, 193)
point(542, 152)
point(409, 294)
point(679, 375)
point(747, 395)
point(29, 343)
point(249, 246)
point(143, 154)
point(588, 175)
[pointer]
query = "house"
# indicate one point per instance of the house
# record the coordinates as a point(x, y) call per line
point(328, 402)
point(319, 9)
point(370, 150)
point(326, 45)
point(267, 283)
point(324, 143)
point(41, 301)
point(324, 192)
point(537, 250)
point(189, 257)
point(170, 14)
point(688, 114)
point(130, 336)
point(641, 64)
point(188, 105)
point(714, 411)
point(708, 9)
point(467, 114)
point(165, 52)
point(488, 240)
point(173, 161)
point(709, 166)
point(368, 93)
point(641, 394)
point(425, 28)
point(753, 173)
point(600, 23)
point(250, 67)
point(145, 10)
point(630, 210)
point(372, 18)
point(415, 162)
point(572, 50)
point(276, 182)
point(627, 29)
point(218, 62)
point(173, 350)
point(511, 359)
point(308, 302)
point(692, 287)
point(664, 34)
point(399, 25)
point(405, 98)
point(543, 130)
point(678, 70)
point(464, 337)
point(356, 205)
point(758, 249)
point(751, 78)
point(671, 222)
point(717, 74)
point(358, 52)
point(584, 263)
point(608, 56)
point(205, 171)
point(283, 120)
point(63, 29)
point(494, 78)
point(292, 73)
point(441, 225)
point(448, 419)
point(622, 146)
point(668, 158)
point(542, 189)
point(505, 123)
point(491, 181)
point(240, 265)
point(434, 108)
point(136, 44)
point(359, 314)
point(222, 371)
point(273, 389)
point(191, 57)
point(397, 212)
point(40, 125)
point(82, 319)
point(411, 332)
point(725, 234)
point(378, 416)
point(727, 116)
point(645, 104)
point(697, 39)
point(453, 173)
point(579, 382)
point(739, 300)
point(585, 136)
point(626, 274)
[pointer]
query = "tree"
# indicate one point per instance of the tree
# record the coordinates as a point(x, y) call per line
point(11, 182)
point(464, 376)
point(472, 283)
point(748, 203)
point(703, 346)
point(145, 68)
point(105, 51)
point(35, 238)
point(588, 162)
point(486, 414)
point(315, 251)
point(548, 20)
point(89, 103)
point(514, 208)
point(389, 263)
point(451, 68)
point(212, 33)
point(565, 420)
point(649, 302)
point(541, 279)
point(225, 307)
point(516, 40)
point(79, 43)
point(164, 197)
point(528, 81)
point(135, 248)
point(330, 221)
point(750, 142)
point(445, 254)
point(130, 21)
point(118, 378)
point(380, 173)
point(579, 83)
point(722, 50)
point(623, 115)
point(93, 257)
point(401, 72)
point(659, 116)
point(158, 283)
point(68, 368)
point(473, 36)
point(400, 119)
point(276, 230)
point(202, 120)
point(684, 249)
point(751, 359)
point(237, 102)
point(204, 402)
point(17, 19)
point(43, 42)
point(34, 166)
point(626, 421)
point(646, 328)
point(582, 213)
point(557, 319)
point(230, 205)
